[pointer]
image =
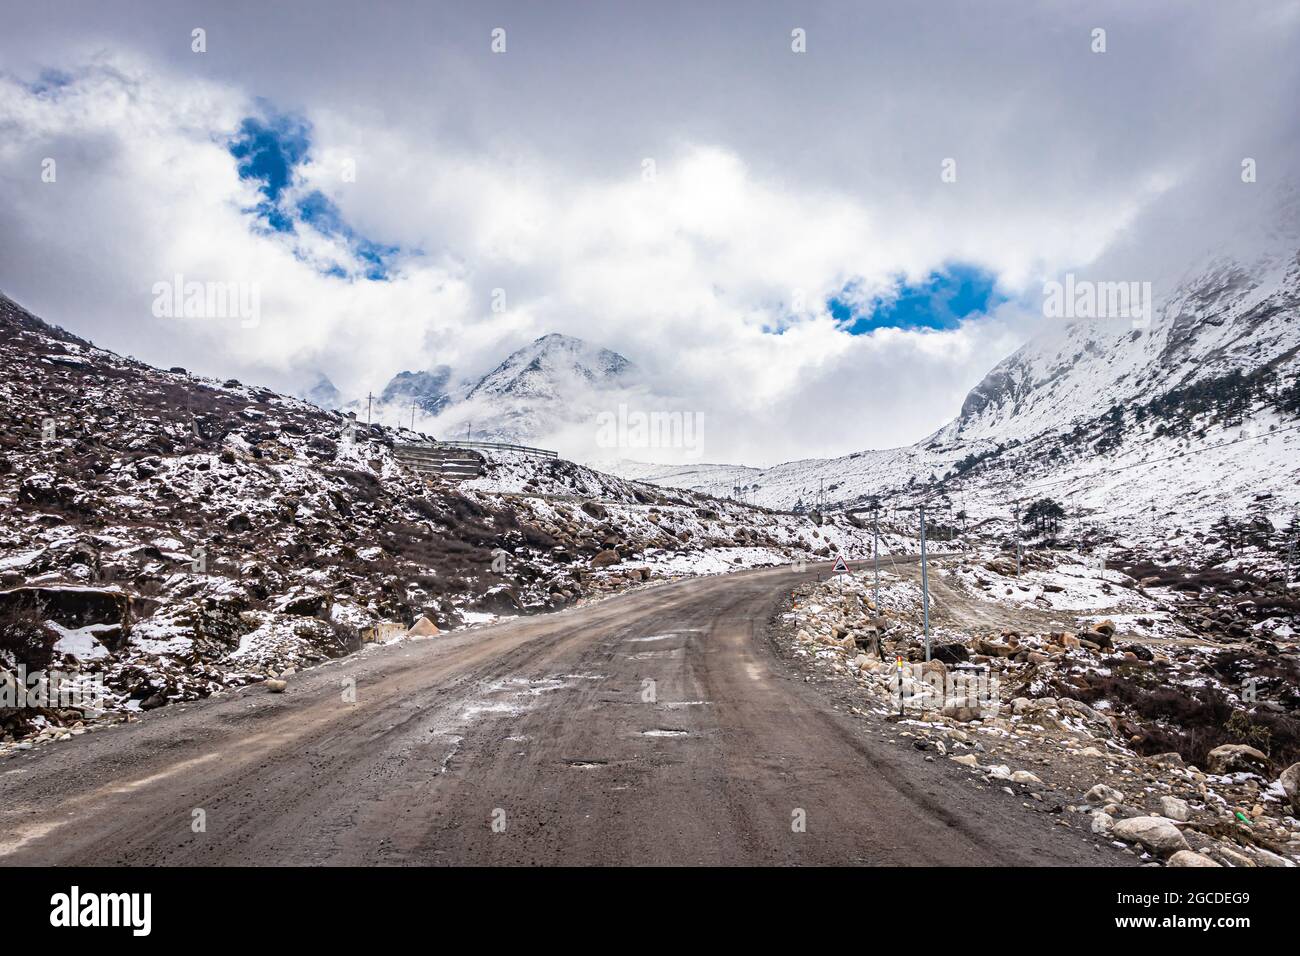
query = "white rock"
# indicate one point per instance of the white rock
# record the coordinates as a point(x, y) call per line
point(1025, 777)
point(1189, 858)
point(276, 686)
point(1157, 834)
point(966, 760)
point(1103, 794)
point(1101, 822)
point(1227, 758)
point(1265, 858)
point(1174, 809)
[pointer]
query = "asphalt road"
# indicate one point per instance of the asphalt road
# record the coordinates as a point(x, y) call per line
point(655, 727)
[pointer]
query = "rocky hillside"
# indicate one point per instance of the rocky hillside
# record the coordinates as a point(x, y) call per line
point(1182, 750)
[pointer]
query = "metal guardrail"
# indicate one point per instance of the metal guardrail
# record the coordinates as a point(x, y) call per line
point(488, 446)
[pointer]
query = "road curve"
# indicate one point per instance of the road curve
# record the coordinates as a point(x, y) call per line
point(655, 727)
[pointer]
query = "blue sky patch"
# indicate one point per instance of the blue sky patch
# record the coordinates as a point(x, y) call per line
point(269, 152)
point(942, 301)
point(50, 82)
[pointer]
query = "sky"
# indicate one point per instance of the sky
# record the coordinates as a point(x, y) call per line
point(817, 252)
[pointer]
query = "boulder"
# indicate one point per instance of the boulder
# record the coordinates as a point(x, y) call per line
point(1230, 758)
point(1174, 809)
point(992, 648)
point(304, 603)
point(934, 667)
point(605, 558)
point(1102, 635)
point(950, 653)
point(1102, 823)
point(1157, 834)
point(1226, 855)
point(1170, 761)
point(1027, 778)
point(499, 599)
point(1188, 858)
point(1264, 857)
point(1290, 782)
point(423, 628)
point(71, 606)
point(276, 686)
point(961, 708)
point(1101, 794)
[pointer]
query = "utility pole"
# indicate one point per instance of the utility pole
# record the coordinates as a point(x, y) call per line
point(412, 413)
point(875, 549)
point(468, 425)
point(925, 586)
point(369, 397)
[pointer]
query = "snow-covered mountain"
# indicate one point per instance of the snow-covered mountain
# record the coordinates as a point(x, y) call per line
point(1191, 414)
point(554, 382)
point(555, 385)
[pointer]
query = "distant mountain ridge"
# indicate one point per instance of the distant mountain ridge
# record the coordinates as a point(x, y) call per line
point(555, 383)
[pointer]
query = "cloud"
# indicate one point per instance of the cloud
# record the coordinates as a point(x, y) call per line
point(775, 182)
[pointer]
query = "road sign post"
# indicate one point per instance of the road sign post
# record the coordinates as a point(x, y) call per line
point(840, 568)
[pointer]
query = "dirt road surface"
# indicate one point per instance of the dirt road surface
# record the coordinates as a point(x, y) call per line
point(655, 727)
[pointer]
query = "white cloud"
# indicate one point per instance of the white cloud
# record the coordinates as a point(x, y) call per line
point(772, 187)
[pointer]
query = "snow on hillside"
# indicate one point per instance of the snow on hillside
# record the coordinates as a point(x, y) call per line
point(718, 480)
point(1188, 417)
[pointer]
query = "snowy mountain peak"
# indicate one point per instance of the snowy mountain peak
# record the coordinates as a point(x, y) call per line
point(550, 366)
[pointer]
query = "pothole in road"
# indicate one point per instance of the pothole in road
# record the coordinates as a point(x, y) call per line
point(657, 655)
point(508, 698)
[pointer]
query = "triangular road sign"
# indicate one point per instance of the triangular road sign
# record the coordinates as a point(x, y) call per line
point(840, 566)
